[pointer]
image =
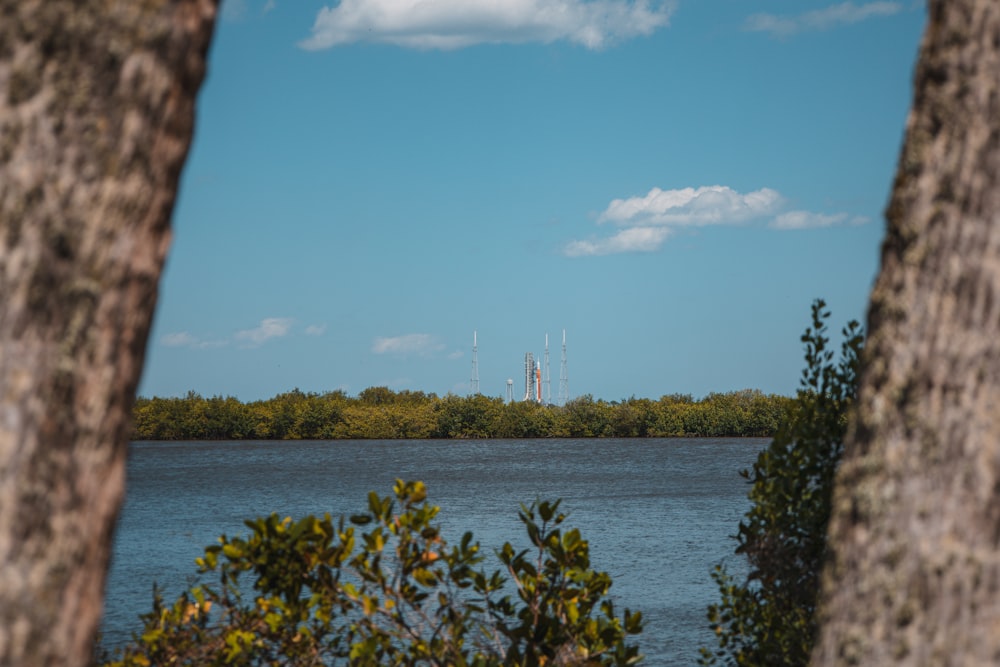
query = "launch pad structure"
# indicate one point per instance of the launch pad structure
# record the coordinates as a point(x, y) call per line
point(474, 380)
point(532, 379)
point(563, 375)
point(537, 388)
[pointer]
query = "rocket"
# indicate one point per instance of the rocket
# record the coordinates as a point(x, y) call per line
point(538, 381)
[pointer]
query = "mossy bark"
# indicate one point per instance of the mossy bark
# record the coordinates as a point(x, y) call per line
point(914, 574)
point(96, 116)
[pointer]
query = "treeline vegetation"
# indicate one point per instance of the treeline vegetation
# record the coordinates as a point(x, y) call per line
point(380, 413)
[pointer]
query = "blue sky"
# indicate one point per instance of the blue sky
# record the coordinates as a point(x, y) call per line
point(671, 183)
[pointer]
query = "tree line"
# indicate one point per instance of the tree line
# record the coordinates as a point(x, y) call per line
point(381, 413)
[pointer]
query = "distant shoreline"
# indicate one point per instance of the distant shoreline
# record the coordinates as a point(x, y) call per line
point(379, 413)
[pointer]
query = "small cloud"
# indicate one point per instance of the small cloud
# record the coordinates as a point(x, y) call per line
point(238, 10)
point(418, 343)
point(185, 339)
point(636, 239)
point(827, 18)
point(315, 329)
point(271, 327)
point(647, 221)
point(179, 339)
point(457, 354)
point(810, 220)
point(455, 24)
point(707, 205)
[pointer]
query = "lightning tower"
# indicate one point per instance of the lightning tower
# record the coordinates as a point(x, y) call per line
point(563, 375)
point(548, 375)
point(474, 381)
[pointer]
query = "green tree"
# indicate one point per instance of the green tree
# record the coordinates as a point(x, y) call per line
point(670, 411)
point(377, 396)
point(525, 419)
point(632, 418)
point(325, 593)
point(468, 417)
point(583, 417)
point(316, 416)
point(769, 618)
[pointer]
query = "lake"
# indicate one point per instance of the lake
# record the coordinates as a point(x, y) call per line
point(658, 513)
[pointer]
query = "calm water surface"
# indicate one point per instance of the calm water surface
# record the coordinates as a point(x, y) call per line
point(658, 513)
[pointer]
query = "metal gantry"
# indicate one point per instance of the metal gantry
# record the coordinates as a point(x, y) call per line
point(529, 376)
point(474, 381)
point(547, 393)
point(563, 375)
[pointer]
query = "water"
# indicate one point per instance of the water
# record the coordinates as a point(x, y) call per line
point(658, 513)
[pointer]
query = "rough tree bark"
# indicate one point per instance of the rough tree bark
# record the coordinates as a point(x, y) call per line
point(96, 116)
point(914, 576)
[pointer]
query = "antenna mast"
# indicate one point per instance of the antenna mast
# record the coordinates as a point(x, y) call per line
point(474, 381)
point(563, 375)
point(548, 375)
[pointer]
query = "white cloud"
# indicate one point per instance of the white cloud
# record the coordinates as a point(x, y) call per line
point(315, 329)
point(647, 221)
point(417, 343)
point(810, 220)
point(271, 327)
point(707, 205)
point(185, 339)
point(833, 16)
point(635, 239)
point(238, 10)
point(179, 339)
point(454, 24)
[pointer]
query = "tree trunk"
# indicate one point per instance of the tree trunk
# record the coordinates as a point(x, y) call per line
point(96, 116)
point(914, 574)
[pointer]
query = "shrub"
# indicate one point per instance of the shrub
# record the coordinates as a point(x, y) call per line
point(769, 618)
point(384, 588)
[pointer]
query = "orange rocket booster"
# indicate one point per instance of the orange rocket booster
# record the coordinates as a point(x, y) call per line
point(538, 381)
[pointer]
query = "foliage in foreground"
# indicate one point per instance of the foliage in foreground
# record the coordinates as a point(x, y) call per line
point(326, 593)
point(769, 618)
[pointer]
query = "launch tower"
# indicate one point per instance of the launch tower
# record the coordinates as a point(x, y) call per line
point(474, 380)
point(563, 375)
point(529, 376)
point(547, 382)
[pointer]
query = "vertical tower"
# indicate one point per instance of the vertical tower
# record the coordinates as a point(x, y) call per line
point(529, 376)
point(474, 381)
point(547, 383)
point(510, 390)
point(563, 375)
